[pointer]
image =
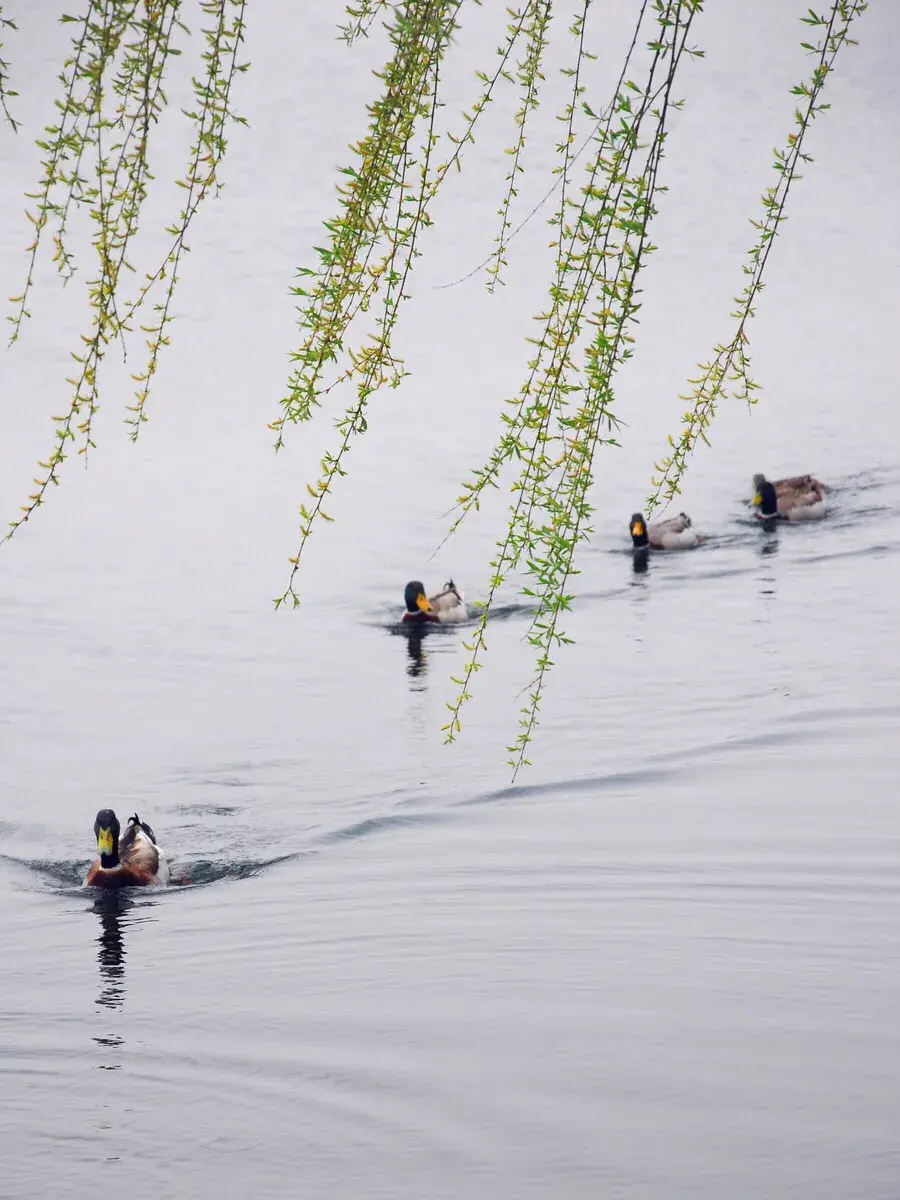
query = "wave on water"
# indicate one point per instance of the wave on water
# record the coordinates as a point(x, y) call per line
point(812, 725)
point(201, 872)
point(212, 810)
point(499, 612)
point(67, 875)
point(875, 550)
point(370, 826)
point(868, 480)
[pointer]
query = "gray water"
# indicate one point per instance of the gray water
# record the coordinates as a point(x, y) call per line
point(664, 963)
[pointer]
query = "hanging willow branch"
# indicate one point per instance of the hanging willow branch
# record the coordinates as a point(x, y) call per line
point(531, 29)
point(605, 190)
point(729, 369)
point(97, 161)
point(6, 93)
point(603, 246)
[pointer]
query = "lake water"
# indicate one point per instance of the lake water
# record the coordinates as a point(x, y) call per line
point(664, 963)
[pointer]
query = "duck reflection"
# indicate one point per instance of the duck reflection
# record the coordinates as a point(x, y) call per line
point(767, 550)
point(417, 658)
point(111, 907)
point(640, 561)
point(418, 664)
point(770, 547)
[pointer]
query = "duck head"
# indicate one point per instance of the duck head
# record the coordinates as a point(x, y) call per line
point(758, 481)
point(106, 831)
point(415, 598)
point(639, 536)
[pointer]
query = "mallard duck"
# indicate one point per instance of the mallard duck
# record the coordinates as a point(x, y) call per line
point(445, 607)
point(798, 498)
point(675, 533)
point(135, 860)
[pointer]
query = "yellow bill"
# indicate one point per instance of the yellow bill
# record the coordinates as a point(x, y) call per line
point(105, 841)
point(422, 603)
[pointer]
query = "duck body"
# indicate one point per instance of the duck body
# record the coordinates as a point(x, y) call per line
point(444, 608)
point(132, 860)
point(675, 533)
point(796, 498)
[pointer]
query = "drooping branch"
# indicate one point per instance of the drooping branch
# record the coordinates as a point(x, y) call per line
point(63, 185)
point(728, 371)
point(385, 209)
point(532, 24)
point(598, 263)
point(210, 118)
point(6, 92)
point(97, 159)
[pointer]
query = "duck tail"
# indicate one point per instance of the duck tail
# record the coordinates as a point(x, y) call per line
point(142, 825)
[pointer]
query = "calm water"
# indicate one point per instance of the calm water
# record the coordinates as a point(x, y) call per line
point(664, 964)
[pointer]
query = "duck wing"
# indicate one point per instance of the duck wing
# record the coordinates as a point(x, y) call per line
point(671, 525)
point(449, 605)
point(139, 853)
point(446, 600)
point(798, 483)
point(798, 491)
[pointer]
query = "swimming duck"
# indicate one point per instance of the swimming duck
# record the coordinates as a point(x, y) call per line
point(135, 860)
point(675, 533)
point(798, 498)
point(444, 608)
